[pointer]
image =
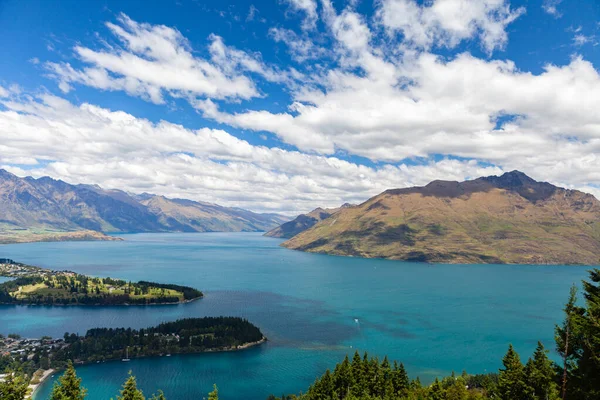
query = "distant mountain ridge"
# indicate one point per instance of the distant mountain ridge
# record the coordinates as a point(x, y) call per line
point(303, 222)
point(497, 219)
point(49, 204)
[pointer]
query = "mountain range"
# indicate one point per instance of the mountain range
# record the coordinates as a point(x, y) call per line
point(497, 219)
point(49, 205)
point(303, 222)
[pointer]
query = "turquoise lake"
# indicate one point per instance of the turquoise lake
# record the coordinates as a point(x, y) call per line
point(313, 308)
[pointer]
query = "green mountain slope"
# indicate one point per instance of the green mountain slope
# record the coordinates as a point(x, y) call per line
point(507, 219)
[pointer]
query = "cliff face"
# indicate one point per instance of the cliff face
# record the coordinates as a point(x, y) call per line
point(506, 219)
point(52, 205)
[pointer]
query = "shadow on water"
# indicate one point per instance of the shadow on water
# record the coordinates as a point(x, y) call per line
point(286, 320)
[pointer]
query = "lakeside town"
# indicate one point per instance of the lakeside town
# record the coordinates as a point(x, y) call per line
point(12, 269)
point(37, 359)
point(32, 355)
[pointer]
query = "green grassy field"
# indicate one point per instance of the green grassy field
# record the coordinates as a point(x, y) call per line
point(41, 286)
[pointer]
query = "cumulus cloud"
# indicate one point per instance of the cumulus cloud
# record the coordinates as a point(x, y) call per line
point(155, 59)
point(425, 105)
point(381, 94)
point(300, 48)
point(446, 23)
point(118, 150)
point(309, 8)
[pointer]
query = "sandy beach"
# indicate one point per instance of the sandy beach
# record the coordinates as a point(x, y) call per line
point(34, 387)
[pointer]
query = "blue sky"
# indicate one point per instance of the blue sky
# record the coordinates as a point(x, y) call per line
point(287, 105)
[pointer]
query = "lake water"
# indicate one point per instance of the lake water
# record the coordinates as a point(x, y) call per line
point(313, 308)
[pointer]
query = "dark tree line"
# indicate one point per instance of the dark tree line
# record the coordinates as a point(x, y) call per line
point(76, 289)
point(191, 335)
point(188, 292)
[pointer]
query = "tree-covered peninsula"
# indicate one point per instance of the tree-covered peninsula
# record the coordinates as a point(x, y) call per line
point(24, 363)
point(184, 336)
point(40, 286)
point(189, 335)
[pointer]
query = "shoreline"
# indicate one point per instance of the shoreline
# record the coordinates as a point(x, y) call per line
point(47, 373)
point(35, 386)
point(53, 237)
point(103, 305)
point(238, 348)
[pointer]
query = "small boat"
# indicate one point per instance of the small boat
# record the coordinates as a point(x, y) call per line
point(168, 355)
point(126, 359)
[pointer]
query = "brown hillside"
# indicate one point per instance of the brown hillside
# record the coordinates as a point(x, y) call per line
point(507, 219)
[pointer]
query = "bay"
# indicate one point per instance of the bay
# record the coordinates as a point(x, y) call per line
point(313, 308)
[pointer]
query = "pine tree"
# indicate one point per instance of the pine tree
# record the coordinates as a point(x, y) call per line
point(457, 390)
point(357, 375)
point(416, 383)
point(511, 381)
point(68, 386)
point(436, 391)
point(569, 343)
point(400, 378)
point(376, 381)
point(343, 378)
point(159, 396)
point(130, 390)
point(214, 395)
point(14, 387)
point(578, 343)
point(366, 366)
point(588, 368)
point(326, 387)
point(540, 375)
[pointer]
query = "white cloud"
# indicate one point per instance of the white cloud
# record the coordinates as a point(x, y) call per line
point(449, 107)
point(252, 11)
point(449, 22)
point(386, 98)
point(233, 61)
point(118, 150)
point(581, 39)
point(309, 8)
point(419, 105)
point(3, 92)
point(156, 59)
point(300, 48)
point(551, 7)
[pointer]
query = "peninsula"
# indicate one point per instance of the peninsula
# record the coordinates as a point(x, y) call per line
point(37, 359)
point(39, 286)
point(21, 235)
point(184, 336)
